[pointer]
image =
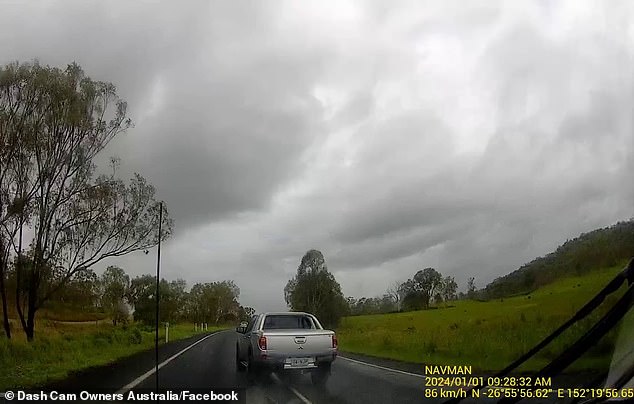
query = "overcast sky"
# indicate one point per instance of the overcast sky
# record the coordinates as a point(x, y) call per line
point(391, 135)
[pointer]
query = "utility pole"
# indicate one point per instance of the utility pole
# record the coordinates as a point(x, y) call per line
point(158, 296)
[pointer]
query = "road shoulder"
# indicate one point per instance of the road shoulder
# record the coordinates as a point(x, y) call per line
point(416, 368)
point(121, 372)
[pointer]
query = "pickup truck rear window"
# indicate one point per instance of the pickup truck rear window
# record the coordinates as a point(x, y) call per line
point(288, 323)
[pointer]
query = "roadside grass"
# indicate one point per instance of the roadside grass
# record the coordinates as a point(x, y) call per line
point(488, 335)
point(59, 349)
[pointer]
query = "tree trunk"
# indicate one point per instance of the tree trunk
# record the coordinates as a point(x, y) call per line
point(34, 285)
point(18, 294)
point(30, 321)
point(5, 309)
point(18, 277)
point(18, 306)
point(3, 293)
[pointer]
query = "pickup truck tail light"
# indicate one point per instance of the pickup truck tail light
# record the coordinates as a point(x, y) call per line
point(262, 343)
point(334, 341)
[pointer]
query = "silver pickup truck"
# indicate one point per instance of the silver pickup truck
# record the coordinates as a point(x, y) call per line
point(292, 341)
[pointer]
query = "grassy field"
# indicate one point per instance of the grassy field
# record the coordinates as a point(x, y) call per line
point(486, 335)
point(61, 348)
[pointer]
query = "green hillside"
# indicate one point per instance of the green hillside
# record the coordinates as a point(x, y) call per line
point(486, 334)
point(597, 249)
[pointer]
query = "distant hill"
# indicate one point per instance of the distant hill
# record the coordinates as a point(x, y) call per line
point(600, 248)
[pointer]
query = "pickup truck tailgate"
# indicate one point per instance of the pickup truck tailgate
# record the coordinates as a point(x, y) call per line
point(301, 341)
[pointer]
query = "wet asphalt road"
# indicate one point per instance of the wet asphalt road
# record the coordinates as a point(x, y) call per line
point(211, 364)
point(208, 362)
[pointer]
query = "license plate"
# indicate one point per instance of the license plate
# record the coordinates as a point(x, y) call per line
point(297, 362)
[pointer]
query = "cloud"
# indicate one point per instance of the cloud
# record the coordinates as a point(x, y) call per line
point(471, 138)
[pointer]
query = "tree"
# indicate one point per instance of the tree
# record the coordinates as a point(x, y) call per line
point(427, 282)
point(215, 302)
point(416, 293)
point(229, 304)
point(141, 296)
point(80, 293)
point(173, 300)
point(5, 247)
point(315, 290)
point(197, 310)
point(396, 294)
point(471, 288)
point(75, 220)
point(412, 298)
point(413, 301)
point(448, 288)
point(406, 288)
point(19, 119)
point(351, 305)
point(4, 259)
point(115, 284)
point(386, 304)
point(245, 313)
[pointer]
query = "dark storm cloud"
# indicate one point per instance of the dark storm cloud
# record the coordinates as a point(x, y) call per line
point(230, 107)
point(125, 43)
point(221, 148)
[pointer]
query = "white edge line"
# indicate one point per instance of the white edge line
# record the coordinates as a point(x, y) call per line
point(150, 372)
point(291, 388)
point(382, 367)
point(298, 394)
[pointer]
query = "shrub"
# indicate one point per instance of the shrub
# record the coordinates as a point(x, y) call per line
point(386, 342)
point(135, 336)
point(431, 347)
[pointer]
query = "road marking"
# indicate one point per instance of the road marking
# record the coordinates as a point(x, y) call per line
point(298, 394)
point(382, 367)
point(150, 372)
point(291, 388)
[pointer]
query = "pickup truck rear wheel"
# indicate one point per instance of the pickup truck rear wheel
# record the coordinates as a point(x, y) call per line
point(251, 368)
point(256, 372)
point(319, 376)
point(239, 365)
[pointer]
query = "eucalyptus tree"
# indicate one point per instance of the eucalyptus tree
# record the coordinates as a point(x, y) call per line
point(315, 290)
point(74, 217)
